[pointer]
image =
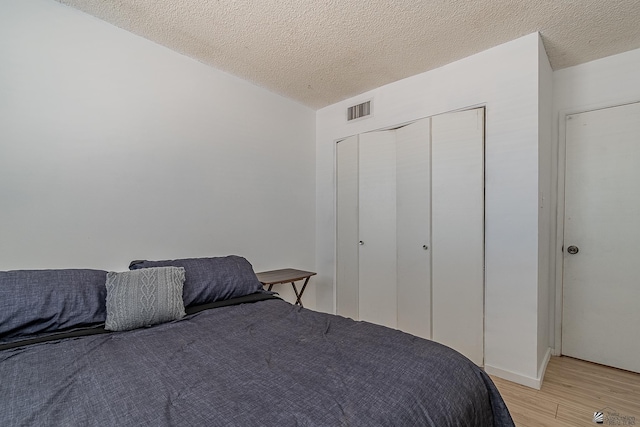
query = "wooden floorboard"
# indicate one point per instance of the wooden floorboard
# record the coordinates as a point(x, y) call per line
point(571, 392)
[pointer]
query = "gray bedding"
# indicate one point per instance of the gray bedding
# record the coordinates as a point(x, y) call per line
point(266, 363)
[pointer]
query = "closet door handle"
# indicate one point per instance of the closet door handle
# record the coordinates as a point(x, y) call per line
point(425, 247)
point(361, 243)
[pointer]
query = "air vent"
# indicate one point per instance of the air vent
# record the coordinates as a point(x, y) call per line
point(358, 111)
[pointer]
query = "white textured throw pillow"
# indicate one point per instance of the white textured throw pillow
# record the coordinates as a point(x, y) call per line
point(144, 297)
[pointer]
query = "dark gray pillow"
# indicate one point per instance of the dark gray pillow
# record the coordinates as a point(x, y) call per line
point(144, 297)
point(38, 301)
point(211, 279)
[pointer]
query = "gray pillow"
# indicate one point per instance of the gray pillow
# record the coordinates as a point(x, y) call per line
point(42, 301)
point(144, 297)
point(211, 279)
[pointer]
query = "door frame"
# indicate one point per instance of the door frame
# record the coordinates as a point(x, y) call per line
point(561, 167)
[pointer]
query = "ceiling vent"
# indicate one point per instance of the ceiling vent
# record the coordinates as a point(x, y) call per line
point(359, 111)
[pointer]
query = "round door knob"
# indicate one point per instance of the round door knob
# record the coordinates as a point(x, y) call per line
point(425, 247)
point(361, 243)
point(573, 250)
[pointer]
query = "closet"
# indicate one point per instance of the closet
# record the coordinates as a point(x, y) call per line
point(410, 229)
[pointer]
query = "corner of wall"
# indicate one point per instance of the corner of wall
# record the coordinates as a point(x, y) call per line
point(518, 378)
point(547, 205)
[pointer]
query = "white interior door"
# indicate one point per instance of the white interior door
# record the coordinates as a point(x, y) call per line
point(377, 228)
point(413, 186)
point(457, 231)
point(601, 282)
point(347, 227)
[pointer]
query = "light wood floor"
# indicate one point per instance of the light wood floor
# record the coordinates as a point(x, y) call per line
point(571, 392)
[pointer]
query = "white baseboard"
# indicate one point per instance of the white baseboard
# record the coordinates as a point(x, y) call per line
point(543, 365)
point(519, 378)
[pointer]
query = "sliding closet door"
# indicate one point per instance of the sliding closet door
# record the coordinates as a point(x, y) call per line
point(347, 227)
point(457, 231)
point(413, 220)
point(377, 228)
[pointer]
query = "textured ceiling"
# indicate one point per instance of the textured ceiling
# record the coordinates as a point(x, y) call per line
point(321, 52)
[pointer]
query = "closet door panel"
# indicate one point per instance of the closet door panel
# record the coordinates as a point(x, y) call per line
point(347, 227)
point(413, 221)
point(457, 231)
point(377, 223)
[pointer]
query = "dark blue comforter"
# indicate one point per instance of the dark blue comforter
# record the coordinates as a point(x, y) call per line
point(267, 363)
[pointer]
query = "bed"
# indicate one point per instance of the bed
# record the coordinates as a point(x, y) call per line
point(227, 353)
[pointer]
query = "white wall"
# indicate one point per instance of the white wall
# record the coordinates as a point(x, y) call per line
point(114, 148)
point(598, 84)
point(547, 206)
point(506, 80)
